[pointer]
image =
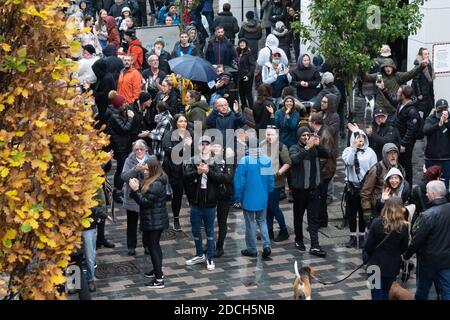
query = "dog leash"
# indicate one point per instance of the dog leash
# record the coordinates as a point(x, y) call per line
point(351, 273)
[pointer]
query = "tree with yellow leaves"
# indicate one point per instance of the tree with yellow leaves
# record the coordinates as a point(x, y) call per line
point(50, 154)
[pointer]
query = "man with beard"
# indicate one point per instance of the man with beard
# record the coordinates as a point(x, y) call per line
point(130, 81)
point(220, 50)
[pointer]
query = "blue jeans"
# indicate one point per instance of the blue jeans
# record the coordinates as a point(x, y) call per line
point(207, 216)
point(428, 275)
point(383, 292)
point(445, 166)
point(90, 241)
point(277, 102)
point(251, 219)
point(273, 210)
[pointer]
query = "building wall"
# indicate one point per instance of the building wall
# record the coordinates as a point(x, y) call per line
point(435, 26)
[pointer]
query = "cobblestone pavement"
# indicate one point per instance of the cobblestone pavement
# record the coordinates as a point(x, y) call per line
point(120, 276)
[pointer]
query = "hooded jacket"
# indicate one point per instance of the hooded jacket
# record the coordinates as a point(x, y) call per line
point(277, 82)
point(113, 33)
point(391, 82)
point(331, 119)
point(308, 74)
point(129, 172)
point(114, 63)
point(266, 52)
point(373, 183)
point(438, 138)
point(253, 182)
point(331, 89)
point(228, 22)
point(85, 71)
point(305, 169)
point(266, 6)
point(366, 159)
point(252, 32)
point(105, 83)
point(263, 117)
point(152, 205)
point(119, 126)
point(403, 191)
point(277, 12)
point(173, 169)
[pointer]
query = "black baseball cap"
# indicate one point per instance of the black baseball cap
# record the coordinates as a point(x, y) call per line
point(380, 111)
point(441, 103)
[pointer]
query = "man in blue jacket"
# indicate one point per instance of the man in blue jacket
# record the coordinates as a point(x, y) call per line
point(220, 50)
point(253, 182)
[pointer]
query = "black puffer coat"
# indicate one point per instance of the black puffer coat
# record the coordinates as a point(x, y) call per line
point(247, 64)
point(115, 64)
point(175, 170)
point(229, 24)
point(152, 205)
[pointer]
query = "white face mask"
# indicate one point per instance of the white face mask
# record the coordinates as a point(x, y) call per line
point(276, 61)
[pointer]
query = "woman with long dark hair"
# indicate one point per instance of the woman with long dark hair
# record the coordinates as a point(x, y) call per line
point(151, 198)
point(245, 74)
point(179, 136)
point(386, 241)
point(264, 107)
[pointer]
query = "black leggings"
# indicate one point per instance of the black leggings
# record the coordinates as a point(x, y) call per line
point(132, 224)
point(152, 242)
point(177, 197)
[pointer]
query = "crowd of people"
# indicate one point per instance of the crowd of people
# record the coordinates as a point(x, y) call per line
point(297, 117)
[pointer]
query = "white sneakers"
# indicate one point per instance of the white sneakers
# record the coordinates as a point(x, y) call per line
point(210, 266)
point(196, 260)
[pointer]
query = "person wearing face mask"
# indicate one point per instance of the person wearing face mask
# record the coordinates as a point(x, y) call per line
point(394, 186)
point(437, 131)
point(277, 75)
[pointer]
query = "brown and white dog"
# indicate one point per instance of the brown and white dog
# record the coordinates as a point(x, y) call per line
point(302, 282)
point(397, 292)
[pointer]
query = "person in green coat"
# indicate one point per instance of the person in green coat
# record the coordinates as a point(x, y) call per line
point(392, 80)
point(196, 109)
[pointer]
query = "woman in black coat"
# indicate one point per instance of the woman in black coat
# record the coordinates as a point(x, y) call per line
point(305, 78)
point(386, 241)
point(182, 139)
point(245, 74)
point(252, 32)
point(105, 83)
point(264, 108)
point(170, 95)
point(151, 198)
point(120, 126)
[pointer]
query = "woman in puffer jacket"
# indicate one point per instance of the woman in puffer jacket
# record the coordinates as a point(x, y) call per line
point(151, 198)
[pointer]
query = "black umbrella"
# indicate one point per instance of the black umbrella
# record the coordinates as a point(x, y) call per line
point(193, 68)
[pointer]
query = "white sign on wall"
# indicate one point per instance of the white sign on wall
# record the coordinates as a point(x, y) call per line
point(441, 58)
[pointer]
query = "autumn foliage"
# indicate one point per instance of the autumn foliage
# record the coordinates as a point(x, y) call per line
point(50, 154)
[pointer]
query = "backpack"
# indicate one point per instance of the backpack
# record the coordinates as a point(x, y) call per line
point(145, 54)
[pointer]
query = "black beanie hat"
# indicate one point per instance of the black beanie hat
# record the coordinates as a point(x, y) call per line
point(302, 130)
point(250, 15)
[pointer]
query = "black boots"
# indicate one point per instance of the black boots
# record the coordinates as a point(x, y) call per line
point(353, 243)
point(282, 236)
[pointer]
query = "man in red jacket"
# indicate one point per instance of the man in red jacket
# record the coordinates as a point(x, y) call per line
point(134, 49)
point(130, 81)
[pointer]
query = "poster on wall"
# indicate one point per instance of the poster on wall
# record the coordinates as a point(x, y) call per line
point(148, 35)
point(441, 58)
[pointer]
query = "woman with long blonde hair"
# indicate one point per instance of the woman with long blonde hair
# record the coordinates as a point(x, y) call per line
point(151, 198)
point(386, 241)
point(100, 28)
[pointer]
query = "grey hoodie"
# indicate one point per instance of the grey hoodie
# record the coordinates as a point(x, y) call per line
point(366, 159)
